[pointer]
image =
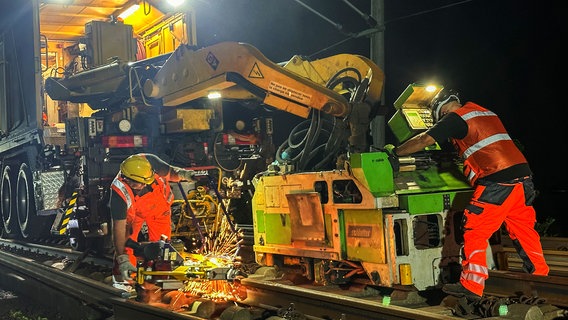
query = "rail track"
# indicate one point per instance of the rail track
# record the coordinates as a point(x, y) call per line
point(73, 283)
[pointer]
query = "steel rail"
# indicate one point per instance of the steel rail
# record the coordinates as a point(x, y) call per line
point(64, 292)
point(325, 305)
point(551, 288)
point(74, 296)
point(57, 251)
point(548, 243)
point(71, 294)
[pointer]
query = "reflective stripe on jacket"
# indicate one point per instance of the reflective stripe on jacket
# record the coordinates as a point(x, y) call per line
point(155, 202)
point(487, 147)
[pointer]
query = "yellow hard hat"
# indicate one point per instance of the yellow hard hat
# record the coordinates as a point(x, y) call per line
point(137, 168)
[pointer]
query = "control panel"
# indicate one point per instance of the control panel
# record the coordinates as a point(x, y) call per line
point(413, 114)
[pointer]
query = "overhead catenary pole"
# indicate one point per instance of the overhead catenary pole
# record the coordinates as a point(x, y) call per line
point(375, 32)
point(378, 56)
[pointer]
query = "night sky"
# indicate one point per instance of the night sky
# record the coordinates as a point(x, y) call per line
point(505, 55)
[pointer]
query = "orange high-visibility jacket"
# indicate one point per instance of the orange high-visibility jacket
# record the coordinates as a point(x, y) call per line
point(487, 148)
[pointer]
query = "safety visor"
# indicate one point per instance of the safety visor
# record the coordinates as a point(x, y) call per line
point(437, 107)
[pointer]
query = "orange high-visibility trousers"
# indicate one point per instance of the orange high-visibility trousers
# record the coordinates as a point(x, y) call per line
point(491, 205)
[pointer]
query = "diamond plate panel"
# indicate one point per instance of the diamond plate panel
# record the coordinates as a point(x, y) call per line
point(48, 188)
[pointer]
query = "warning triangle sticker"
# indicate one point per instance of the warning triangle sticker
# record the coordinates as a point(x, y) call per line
point(255, 72)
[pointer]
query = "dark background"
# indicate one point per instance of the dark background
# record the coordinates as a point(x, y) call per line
point(505, 55)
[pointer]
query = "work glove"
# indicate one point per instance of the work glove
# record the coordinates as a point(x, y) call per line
point(124, 266)
point(392, 156)
point(389, 148)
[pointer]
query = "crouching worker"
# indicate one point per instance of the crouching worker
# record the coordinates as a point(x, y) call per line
point(141, 193)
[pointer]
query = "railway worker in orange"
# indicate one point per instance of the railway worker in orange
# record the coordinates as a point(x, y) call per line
point(140, 193)
point(503, 187)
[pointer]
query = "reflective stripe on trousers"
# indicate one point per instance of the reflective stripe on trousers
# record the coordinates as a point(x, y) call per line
point(491, 205)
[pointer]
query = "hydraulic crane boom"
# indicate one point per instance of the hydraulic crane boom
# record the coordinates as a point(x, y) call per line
point(345, 86)
point(237, 70)
point(242, 72)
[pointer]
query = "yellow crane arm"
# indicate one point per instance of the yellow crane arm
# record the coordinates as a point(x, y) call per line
point(240, 71)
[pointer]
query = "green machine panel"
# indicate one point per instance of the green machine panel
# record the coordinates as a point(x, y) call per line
point(432, 190)
point(278, 228)
point(412, 114)
point(434, 202)
point(374, 170)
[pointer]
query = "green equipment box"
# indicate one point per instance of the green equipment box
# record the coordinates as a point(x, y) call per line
point(412, 114)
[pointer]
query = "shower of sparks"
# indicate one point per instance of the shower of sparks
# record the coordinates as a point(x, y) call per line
point(220, 250)
point(223, 241)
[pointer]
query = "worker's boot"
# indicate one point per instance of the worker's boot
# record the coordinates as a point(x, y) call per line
point(458, 290)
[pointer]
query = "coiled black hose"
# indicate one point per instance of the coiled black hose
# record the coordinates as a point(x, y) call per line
point(314, 142)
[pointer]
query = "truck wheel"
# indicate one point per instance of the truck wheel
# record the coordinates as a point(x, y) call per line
point(7, 208)
point(25, 201)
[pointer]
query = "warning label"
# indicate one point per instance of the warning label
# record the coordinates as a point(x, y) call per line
point(255, 72)
point(291, 93)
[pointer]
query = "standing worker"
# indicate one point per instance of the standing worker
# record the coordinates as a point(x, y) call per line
point(140, 193)
point(503, 187)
